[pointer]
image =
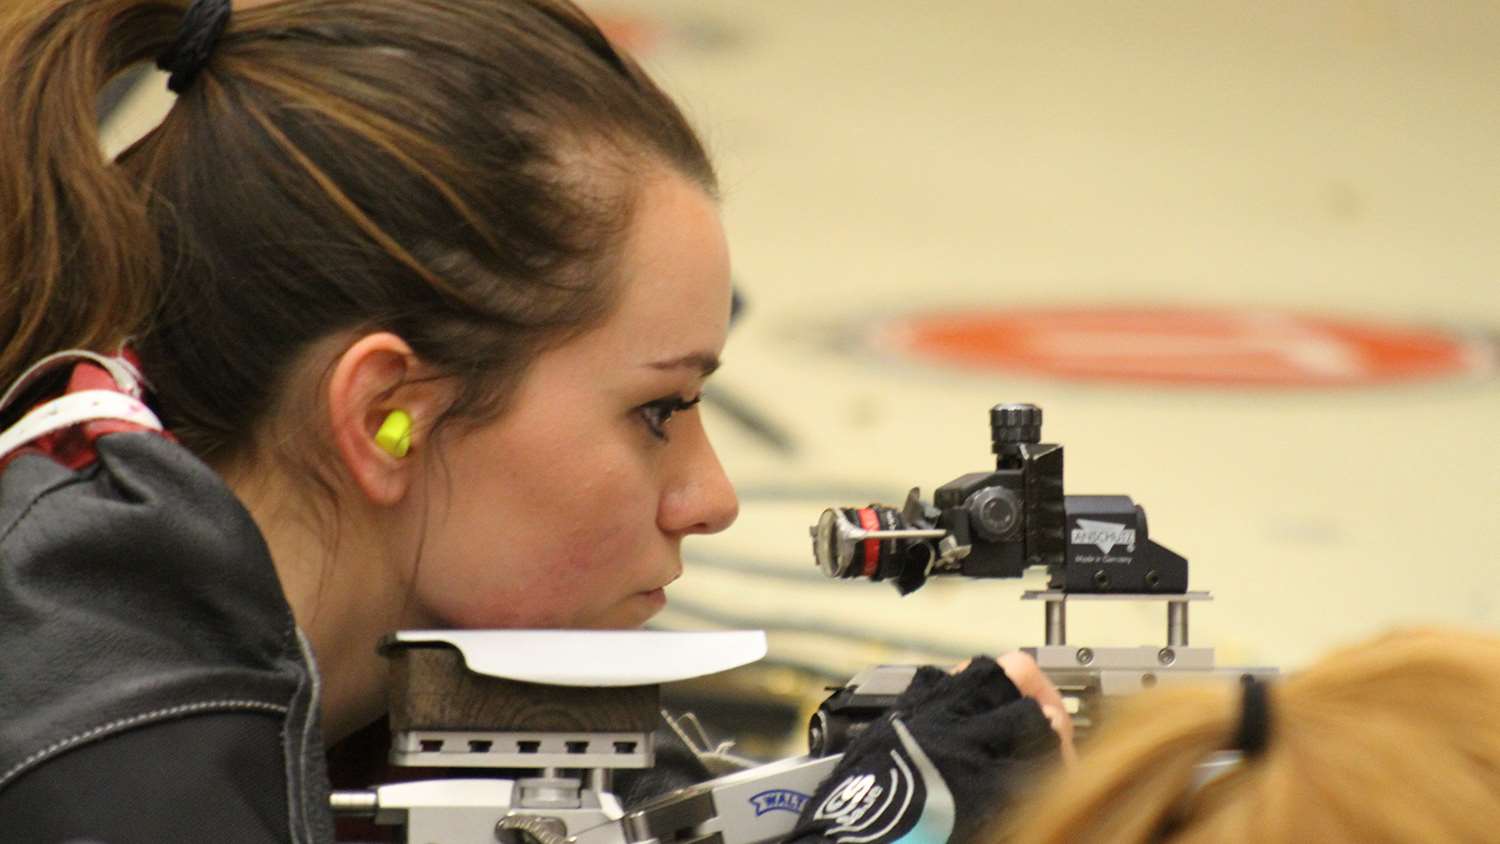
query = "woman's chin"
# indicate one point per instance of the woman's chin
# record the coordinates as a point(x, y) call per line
point(642, 606)
point(656, 599)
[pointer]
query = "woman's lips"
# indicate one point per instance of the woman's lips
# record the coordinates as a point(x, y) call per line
point(658, 596)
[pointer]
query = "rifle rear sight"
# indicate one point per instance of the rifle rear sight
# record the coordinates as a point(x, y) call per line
point(1002, 522)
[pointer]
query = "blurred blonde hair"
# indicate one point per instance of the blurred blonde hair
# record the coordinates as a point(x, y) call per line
point(1394, 739)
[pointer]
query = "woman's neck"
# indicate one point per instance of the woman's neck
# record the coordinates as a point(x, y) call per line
point(334, 566)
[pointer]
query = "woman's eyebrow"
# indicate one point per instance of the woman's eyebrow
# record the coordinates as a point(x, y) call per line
point(704, 362)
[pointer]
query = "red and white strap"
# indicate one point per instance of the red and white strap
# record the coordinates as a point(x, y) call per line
point(79, 407)
point(126, 376)
point(75, 409)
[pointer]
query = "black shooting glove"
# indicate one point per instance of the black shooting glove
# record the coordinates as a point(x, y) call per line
point(937, 767)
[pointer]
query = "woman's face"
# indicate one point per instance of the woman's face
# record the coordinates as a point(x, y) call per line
point(570, 509)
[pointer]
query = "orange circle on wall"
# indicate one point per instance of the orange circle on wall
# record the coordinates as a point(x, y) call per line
point(1187, 346)
point(634, 34)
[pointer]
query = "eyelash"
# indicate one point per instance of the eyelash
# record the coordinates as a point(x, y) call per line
point(656, 414)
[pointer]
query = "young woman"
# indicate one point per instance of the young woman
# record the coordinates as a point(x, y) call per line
point(1393, 739)
point(404, 310)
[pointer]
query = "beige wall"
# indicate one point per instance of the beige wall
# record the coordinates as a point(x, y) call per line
point(883, 155)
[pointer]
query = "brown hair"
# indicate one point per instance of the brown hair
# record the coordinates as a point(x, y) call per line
point(1394, 739)
point(458, 172)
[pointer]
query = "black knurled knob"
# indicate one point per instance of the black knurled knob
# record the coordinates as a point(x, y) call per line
point(1015, 423)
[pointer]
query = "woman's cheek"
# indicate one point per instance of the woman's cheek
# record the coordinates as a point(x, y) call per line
point(469, 598)
point(576, 573)
point(543, 594)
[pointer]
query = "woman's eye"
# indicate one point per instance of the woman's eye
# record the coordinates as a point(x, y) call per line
point(658, 413)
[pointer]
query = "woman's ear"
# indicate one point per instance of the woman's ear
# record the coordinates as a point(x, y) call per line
point(376, 376)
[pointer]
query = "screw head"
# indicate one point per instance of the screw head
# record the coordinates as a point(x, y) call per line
point(1085, 656)
point(1166, 656)
point(996, 513)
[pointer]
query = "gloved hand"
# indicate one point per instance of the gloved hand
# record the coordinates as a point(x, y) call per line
point(937, 767)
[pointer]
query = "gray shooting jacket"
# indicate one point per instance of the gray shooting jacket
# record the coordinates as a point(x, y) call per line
point(153, 685)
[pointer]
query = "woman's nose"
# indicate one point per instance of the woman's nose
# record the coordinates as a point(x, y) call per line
point(702, 499)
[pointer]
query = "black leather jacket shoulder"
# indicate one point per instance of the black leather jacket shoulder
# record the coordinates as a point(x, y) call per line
point(153, 685)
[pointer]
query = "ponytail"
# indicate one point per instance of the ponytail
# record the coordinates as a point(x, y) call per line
point(79, 260)
point(1392, 739)
point(1129, 781)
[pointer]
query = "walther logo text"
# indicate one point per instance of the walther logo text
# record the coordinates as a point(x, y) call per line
point(779, 800)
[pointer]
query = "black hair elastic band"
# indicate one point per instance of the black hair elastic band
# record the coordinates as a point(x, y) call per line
point(1250, 740)
point(199, 31)
point(1255, 719)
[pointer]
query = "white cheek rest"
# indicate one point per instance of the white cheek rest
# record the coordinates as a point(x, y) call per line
point(595, 657)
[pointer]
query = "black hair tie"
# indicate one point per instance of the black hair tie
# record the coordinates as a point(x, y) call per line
point(1255, 719)
point(196, 36)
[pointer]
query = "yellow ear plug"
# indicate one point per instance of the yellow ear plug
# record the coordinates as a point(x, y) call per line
point(394, 436)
